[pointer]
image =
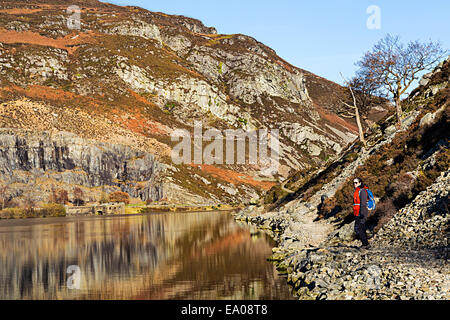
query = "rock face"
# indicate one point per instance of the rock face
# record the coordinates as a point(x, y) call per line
point(150, 73)
point(65, 159)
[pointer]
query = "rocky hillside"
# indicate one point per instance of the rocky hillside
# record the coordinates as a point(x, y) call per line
point(408, 258)
point(408, 172)
point(131, 77)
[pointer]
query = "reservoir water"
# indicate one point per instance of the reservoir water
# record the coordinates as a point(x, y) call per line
point(157, 256)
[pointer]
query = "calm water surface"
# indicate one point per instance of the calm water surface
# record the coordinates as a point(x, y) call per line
point(160, 256)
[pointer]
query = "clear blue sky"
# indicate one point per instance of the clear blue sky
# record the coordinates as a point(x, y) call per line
point(325, 37)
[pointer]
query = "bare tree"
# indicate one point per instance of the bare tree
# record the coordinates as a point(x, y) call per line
point(29, 201)
point(119, 196)
point(78, 196)
point(394, 66)
point(351, 86)
point(104, 198)
point(53, 195)
point(61, 196)
point(364, 93)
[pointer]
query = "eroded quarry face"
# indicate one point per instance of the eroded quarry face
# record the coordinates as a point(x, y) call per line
point(124, 79)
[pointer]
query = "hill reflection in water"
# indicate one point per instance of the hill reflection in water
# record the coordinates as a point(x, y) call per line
point(160, 256)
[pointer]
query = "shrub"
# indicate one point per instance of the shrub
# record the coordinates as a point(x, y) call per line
point(274, 194)
point(171, 105)
point(104, 198)
point(384, 212)
point(17, 213)
point(119, 196)
point(11, 213)
point(400, 189)
point(47, 210)
point(53, 210)
point(327, 208)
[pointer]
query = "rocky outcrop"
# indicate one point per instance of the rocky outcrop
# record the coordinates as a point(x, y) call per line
point(295, 219)
point(27, 157)
point(137, 28)
point(407, 260)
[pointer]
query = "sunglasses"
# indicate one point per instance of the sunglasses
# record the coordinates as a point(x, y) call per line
point(355, 182)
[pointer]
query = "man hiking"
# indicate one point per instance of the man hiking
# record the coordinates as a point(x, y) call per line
point(360, 210)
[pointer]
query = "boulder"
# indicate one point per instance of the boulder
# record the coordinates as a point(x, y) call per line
point(345, 233)
point(424, 81)
point(430, 118)
point(427, 120)
point(390, 130)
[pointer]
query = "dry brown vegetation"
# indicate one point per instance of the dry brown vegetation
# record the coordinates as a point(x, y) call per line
point(67, 43)
point(46, 210)
point(119, 196)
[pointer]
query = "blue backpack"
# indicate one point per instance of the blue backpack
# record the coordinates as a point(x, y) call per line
point(371, 205)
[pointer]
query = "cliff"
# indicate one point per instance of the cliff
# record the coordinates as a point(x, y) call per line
point(44, 160)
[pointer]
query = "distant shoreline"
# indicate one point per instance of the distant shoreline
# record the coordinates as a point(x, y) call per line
point(129, 211)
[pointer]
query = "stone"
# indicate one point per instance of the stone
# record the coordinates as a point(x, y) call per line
point(390, 130)
point(427, 120)
point(410, 118)
point(424, 81)
point(347, 232)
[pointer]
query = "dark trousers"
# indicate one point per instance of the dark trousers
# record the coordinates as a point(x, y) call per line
point(360, 229)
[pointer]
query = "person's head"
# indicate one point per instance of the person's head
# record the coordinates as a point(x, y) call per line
point(357, 182)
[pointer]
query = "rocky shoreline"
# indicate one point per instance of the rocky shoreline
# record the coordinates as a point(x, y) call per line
point(408, 258)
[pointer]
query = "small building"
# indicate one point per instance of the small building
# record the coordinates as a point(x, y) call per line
point(106, 209)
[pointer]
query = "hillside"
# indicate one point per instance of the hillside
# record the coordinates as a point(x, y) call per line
point(131, 77)
point(408, 172)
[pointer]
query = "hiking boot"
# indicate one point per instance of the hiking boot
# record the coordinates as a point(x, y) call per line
point(367, 247)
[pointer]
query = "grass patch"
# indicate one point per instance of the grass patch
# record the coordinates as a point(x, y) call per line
point(47, 210)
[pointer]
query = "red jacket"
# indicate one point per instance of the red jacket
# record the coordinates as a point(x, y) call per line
point(358, 198)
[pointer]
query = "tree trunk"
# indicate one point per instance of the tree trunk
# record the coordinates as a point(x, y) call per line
point(358, 118)
point(3, 196)
point(399, 111)
point(360, 128)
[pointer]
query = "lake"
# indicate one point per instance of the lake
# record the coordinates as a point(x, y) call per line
point(203, 255)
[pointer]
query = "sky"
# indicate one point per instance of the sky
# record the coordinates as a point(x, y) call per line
point(325, 37)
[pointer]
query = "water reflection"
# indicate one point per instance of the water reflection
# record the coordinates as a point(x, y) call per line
point(164, 256)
